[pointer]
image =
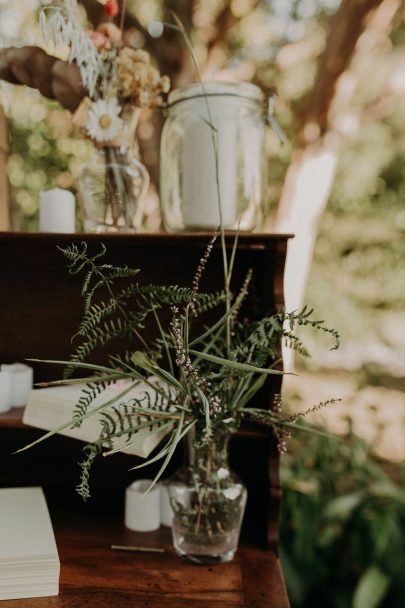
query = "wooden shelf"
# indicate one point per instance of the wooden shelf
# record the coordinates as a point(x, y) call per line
point(13, 418)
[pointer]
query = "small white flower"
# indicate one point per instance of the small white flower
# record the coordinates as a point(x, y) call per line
point(104, 122)
point(231, 493)
point(222, 473)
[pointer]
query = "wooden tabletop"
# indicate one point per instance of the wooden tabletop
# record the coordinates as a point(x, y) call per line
point(95, 576)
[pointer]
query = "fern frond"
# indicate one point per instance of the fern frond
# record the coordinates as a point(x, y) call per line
point(303, 318)
point(96, 337)
point(90, 453)
point(204, 302)
point(89, 394)
point(78, 257)
point(149, 411)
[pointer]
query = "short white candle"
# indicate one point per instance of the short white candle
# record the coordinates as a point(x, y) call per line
point(142, 510)
point(21, 377)
point(57, 211)
point(5, 391)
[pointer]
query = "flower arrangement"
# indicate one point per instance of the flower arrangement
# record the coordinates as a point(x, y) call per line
point(120, 81)
point(204, 367)
point(118, 78)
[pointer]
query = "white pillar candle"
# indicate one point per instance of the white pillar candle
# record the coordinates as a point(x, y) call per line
point(142, 510)
point(5, 391)
point(21, 382)
point(166, 511)
point(57, 211)
point(199, 175)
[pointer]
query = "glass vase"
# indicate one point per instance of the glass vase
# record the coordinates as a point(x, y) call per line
point(110, 188)
point(212, 157)
point(208, 502)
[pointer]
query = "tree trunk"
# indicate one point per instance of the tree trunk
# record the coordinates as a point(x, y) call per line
point(4, 197)
point(311, 173)
point(306, 191)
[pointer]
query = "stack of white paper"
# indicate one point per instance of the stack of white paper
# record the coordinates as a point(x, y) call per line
point(29, 561)
point(49, 408)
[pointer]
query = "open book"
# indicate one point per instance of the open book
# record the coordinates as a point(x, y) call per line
point(29, 561)
point(50, 408)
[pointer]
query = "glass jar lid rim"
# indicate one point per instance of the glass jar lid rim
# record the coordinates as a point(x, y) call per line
point(244, 90)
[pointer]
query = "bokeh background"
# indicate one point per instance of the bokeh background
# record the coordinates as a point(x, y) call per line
point(338, 69)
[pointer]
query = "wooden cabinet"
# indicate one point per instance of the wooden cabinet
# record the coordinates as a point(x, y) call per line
point(40, 308)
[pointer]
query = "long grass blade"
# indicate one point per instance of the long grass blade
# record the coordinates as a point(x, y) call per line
point(242, 367)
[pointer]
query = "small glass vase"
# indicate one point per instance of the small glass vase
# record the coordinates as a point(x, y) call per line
point(208, 502)
point(110, 187)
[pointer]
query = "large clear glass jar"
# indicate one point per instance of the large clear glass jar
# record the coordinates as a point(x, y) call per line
point(212, 157)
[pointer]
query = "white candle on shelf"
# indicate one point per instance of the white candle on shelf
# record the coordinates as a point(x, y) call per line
point(57, 211)
point(5, 391)
point(142, 511)
point(21, 379)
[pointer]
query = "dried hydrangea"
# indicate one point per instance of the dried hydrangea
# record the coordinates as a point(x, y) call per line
point(138, 81)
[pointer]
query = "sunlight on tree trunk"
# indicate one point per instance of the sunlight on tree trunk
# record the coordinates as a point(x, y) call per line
point(308, 183)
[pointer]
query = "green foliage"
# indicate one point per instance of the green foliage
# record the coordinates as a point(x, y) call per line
point(209, 385)
point(116, 318)
point(120, 425)
point(342, 526)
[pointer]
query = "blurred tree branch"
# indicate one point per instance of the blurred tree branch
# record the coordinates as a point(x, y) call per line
point(346, 26)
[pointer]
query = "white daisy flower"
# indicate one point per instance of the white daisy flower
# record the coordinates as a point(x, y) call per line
point(104, 122)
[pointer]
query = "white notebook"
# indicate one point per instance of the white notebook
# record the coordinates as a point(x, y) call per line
point(29, 561)
point(49, 408)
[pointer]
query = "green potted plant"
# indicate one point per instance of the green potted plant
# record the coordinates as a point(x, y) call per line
point(203, 368)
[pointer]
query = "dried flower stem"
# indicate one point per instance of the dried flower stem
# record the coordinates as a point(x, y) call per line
point(311, 410)
point(203, 262)
point(182, 358)
point(243, 293)
point(201, 267)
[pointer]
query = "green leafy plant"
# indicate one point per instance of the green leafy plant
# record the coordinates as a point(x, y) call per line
point(200, 371)
point(341, 528)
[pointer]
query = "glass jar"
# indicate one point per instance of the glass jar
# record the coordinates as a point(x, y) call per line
point(110, 187)
point(208, 502)
point(212, 157)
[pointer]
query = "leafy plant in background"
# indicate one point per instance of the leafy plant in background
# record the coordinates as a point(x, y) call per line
point(342, 526)
point(44, 153)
